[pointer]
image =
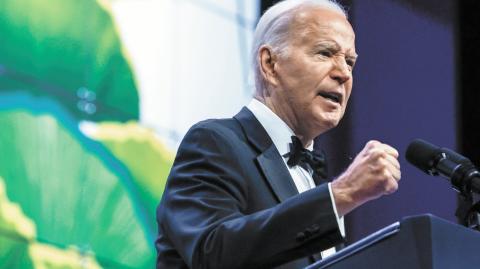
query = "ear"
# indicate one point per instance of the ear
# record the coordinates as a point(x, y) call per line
point(267, 61)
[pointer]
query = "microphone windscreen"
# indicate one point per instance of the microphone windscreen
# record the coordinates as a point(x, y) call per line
point(455, 157)
point(422, 154)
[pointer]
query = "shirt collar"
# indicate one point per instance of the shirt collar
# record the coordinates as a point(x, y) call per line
point(276, 128)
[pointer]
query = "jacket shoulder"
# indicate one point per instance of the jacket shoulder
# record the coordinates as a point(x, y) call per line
point(218, 128)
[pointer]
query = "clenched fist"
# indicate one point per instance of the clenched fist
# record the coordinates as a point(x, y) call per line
point(374, 172)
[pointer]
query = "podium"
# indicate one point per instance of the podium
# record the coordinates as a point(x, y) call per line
point(418, 242)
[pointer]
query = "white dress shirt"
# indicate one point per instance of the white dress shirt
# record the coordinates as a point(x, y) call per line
point(281, 134)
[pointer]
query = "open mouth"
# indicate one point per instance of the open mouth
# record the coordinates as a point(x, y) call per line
point(332, 96)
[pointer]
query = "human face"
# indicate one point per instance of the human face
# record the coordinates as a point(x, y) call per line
point(313, 79)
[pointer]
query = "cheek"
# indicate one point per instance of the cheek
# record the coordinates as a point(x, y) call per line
point(348, 91)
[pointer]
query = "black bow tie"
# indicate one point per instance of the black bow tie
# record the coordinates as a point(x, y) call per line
point(308, 160)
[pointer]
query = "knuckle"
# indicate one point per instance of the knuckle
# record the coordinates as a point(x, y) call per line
point(373, 143)
point(382, 175)
point(386, 174)
point(376, 170)
point(382, 155)
point(377, 154)
point(373, 151)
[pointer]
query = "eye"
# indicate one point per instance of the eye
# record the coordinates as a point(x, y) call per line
point(325, 53)
point(350, 62)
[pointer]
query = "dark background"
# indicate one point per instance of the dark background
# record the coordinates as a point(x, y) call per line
point(415, 78)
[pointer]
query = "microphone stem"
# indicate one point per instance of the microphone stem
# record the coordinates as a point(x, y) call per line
point(473, 180)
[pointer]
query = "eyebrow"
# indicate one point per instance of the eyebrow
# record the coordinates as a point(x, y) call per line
point(353, 57)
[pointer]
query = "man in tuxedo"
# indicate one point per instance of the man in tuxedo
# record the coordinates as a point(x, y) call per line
point(246, 192)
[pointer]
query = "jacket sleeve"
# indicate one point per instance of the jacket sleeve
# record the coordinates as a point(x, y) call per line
point(202, 211)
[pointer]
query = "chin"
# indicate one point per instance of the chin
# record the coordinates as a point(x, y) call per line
point(325, 121)
point(331, 123)
point(323, 125)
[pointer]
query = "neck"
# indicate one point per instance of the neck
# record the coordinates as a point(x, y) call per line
point(305, 139)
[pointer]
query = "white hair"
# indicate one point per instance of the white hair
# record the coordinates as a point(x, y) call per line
point(273, 29)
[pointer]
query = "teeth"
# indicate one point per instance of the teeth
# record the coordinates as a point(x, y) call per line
point(332, 96)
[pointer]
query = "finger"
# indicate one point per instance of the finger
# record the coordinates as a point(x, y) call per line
point(395, 173)
point(392, 161)
point(391, 173)
point(390, 150)
point(391, 187)
point(372, 144)
point(392, 168)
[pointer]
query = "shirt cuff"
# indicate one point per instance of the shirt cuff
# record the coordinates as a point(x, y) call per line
point(340, 220)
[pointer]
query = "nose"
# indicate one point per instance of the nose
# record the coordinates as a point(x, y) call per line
point(341, 71)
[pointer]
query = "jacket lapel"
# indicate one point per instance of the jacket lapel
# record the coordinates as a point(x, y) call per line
point(269, 160)
point(277, 173)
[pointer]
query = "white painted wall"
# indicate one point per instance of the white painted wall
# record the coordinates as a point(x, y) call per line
point(190, 58)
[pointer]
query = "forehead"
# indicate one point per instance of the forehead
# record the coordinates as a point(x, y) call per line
point(320, 24)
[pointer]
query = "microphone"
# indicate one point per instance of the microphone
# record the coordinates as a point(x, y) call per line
point(445, 162)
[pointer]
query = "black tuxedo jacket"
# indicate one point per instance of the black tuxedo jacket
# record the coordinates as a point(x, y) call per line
point(230, 202)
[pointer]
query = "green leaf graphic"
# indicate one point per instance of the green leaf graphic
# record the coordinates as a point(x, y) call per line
point(74, 190)
point(68, 50)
